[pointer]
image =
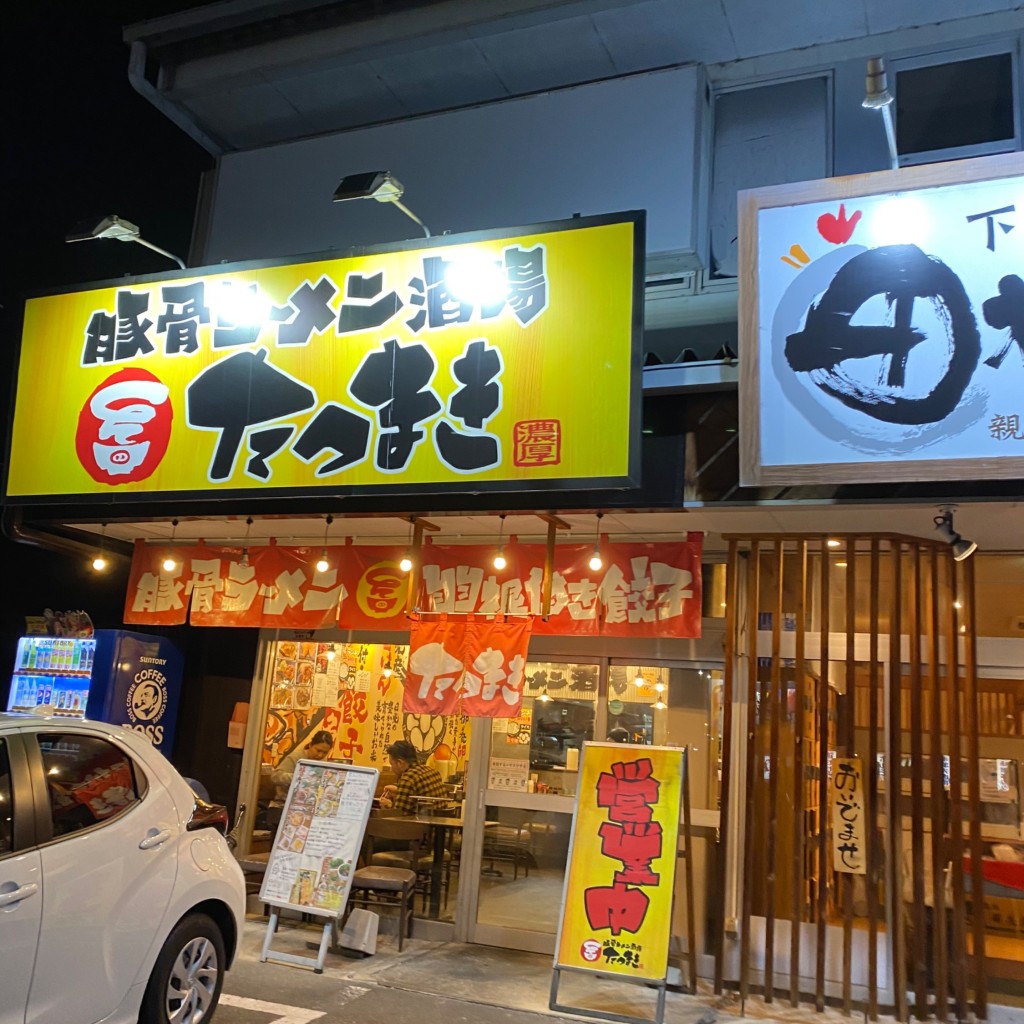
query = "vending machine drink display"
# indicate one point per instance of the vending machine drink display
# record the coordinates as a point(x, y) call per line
point(127, 679)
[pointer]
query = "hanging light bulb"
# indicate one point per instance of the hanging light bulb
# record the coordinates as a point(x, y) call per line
point(245, 544)
point(99, 563)
point(330, 654)
point(638, 679)
point(659, 705)
point(545, 696)
point(388, 672)
point(500, 562)
point(659, 687)
point(406, 563)
point(596, 562)
point(323, 564)
point(170, 563)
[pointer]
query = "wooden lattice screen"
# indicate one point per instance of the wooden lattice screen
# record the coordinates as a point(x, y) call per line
point(903, 933)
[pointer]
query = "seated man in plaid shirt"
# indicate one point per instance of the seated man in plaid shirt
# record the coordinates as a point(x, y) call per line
point(414, 779)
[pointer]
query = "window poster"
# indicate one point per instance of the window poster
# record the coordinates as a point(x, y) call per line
point(318, 838)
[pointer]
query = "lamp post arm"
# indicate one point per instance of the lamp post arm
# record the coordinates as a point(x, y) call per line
point(890, 136)
point(163, 252)
point(405, 209)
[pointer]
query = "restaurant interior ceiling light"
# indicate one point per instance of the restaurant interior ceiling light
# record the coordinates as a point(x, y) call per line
point(323, 564)
point(659, 705)
point(119, 229)
point(169, 563)
point(596, 561)
point(545, 696)
point(944, 528)
point(638, 679)
point(380, 185)
point(500, 561)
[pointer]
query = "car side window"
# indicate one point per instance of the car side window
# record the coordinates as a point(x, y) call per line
point(89, 780)
point(6, 802)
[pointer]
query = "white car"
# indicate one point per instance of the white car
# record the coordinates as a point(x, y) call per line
point(120, 900)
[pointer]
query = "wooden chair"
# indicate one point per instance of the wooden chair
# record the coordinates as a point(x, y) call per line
point(400, 842)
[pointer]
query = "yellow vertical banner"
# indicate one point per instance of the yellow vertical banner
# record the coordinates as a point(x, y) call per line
point(617, 904)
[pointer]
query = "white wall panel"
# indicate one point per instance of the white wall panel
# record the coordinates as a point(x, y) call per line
point(629, 143)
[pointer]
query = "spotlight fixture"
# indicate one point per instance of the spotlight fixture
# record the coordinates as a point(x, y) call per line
point(100, 563)
point(944, 527)
point(500, 561)
point(121, 230)
point(832, 542)
point(170, 563)
point(596, 562)
point(245, 544)
point(323, 564)
point(380, 185)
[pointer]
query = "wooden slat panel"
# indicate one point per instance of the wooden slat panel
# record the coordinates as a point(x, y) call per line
point(800, 681)
point(940, 956)
point(753, 591)
point(824, 867)
point(728, 688)
point(974, 794)
point(956, 820)
point(774, 708)
point(892, 787)
point(874, 858)
point(845, 745)
point(918, 950)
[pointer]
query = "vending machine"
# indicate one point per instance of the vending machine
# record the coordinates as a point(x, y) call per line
point(127, 679)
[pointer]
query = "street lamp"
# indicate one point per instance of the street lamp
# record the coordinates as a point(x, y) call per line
point(380, 185)
point(122, 230)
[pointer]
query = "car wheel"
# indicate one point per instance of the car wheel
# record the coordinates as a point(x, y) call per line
point(187, 977)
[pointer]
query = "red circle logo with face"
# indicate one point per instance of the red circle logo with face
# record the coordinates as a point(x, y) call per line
point(124, 427)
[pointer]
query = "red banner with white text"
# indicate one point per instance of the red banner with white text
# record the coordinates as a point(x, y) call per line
point(466, 666)
point(271, 586)
point(640, 590)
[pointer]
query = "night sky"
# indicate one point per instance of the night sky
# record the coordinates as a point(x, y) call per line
point(80, 142)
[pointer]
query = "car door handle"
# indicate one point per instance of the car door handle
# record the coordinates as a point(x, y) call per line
point(17, 895)
point(155, 840)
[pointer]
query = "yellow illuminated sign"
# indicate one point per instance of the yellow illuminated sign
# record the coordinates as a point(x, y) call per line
point(617, 908)
point(482, 361)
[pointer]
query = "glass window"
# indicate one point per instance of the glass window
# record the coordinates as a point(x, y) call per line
point(955, 105)
point(6, 802)
point(89, 779)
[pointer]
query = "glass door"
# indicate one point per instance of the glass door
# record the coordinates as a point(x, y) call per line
point(525, 785)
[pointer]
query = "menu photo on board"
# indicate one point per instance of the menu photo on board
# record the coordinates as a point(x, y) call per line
point(318, 839)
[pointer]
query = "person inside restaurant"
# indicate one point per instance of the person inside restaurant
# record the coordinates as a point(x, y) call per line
point(414, 779)
point(317, 749)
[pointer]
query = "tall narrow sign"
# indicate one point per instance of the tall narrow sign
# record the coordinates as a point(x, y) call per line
point(617, 903)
